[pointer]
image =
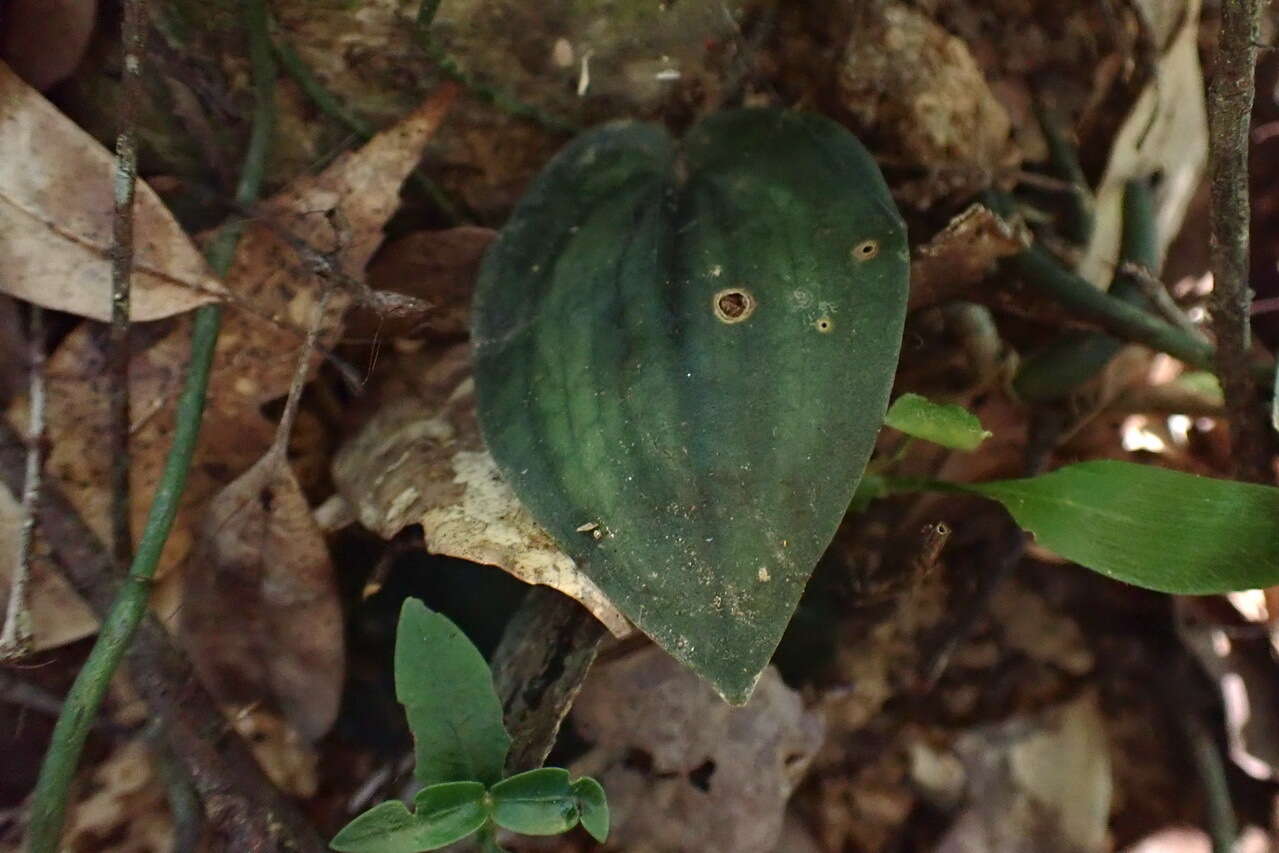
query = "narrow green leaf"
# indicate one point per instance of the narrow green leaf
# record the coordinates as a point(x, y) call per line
point(447, 690)
point(386, 828)
point(593, 807)
point(946, 424)
point(452, 811)
point(539, 802)
point(1151, 527)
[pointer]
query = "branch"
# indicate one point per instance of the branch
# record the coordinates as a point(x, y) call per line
point(15, 639)
point(1230, 97)
point(249, 812)
point(117, 359)
point(48, 811)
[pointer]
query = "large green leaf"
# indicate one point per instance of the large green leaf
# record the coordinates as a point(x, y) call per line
point(447, 690)
point(683, 355)
point(1149, 526)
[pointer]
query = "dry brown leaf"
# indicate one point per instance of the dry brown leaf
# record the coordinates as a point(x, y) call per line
point(961, 255)
point(260, 614)
point(1165, 133)
point(421, 460)
point(56, 213)
point(58, 615)
point(341, 210)
point(126, 810)
point(44, 40)
point(438, 267)
point(683, 770)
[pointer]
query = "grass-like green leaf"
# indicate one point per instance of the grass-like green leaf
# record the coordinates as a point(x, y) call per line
point(946, 424)
point(539, 802)
point(447, 690)
point(1155, 528)
point(593, 807)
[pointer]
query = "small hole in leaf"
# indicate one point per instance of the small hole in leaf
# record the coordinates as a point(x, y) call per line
point(700, 776)
point(824, 324)
point(865, 250)
point(733, 305)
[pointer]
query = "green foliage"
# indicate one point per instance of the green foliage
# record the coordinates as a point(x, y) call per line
point(539, 802)
point(444, 684)
point(683, 354)
point(456, 719)
point(949, 425)
point(1149, 526)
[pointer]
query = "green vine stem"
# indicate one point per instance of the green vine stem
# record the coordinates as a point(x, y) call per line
point(1076, 357)
point(1041, 270)
point(83, 701)
point(329, 105)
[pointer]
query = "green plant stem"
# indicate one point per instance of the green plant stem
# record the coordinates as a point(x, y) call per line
point(1041, 270)
point(1062, 155)
point(499, 98)
point(324, 100)
point(83, 701)
point(1076, 357)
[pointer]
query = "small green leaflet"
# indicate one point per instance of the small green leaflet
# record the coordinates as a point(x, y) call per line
point(539, 802)
point(447, 691)
point(456, 720)
point(443, 814)
point(948, 425)
point(1151, 527)
point(593, 807)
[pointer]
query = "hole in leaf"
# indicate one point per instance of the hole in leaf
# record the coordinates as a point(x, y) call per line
point(700, 776)
point(824, 324)
point(865, 250)
point(733, 305)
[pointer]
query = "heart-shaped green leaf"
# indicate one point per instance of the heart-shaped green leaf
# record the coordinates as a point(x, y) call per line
point(683, 354)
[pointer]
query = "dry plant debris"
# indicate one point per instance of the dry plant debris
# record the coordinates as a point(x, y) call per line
point(56, 213)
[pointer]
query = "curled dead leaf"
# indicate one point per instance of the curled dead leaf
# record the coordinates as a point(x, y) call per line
point(260, 614)
point(56, 214)
point(961, 255)
point(421, 460)
point(340, 214)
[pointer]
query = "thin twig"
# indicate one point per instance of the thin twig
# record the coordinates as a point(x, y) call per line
point(1230, 96)
point(16, 637)
point(244, 808)
point(280, 444)
point(49, 802)
point(117, 359)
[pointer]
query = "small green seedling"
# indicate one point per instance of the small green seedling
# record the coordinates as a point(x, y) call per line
point(456, 719)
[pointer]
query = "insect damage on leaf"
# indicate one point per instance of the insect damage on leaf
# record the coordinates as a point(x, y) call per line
point(607, 391)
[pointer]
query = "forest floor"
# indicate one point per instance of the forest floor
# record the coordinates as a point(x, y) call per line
point(946, 685)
